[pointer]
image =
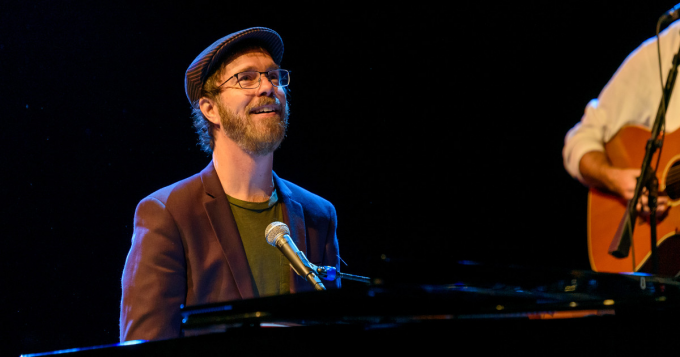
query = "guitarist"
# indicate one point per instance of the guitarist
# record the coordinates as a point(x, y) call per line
point(631, 97)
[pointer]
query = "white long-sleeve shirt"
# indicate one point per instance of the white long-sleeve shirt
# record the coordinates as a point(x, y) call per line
point(631, 96)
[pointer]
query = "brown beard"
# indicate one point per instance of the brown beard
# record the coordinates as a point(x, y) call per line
point(254, 138)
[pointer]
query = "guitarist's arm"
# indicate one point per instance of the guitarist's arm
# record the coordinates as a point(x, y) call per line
point(599, 173)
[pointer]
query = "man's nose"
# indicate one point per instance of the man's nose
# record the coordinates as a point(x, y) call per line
point(266, 85)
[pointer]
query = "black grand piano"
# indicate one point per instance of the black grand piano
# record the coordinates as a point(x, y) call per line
point(474, 308)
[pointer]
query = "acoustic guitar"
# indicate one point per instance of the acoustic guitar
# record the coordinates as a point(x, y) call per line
point(605, 211)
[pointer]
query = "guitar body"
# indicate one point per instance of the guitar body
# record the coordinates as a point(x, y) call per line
point(605, 211)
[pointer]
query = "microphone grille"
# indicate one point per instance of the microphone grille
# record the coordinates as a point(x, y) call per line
point(273, 230)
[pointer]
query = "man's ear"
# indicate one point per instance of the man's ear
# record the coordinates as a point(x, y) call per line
point(209, 109)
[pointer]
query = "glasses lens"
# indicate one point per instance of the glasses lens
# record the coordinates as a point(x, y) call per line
point(248, 80)
point(279, 77)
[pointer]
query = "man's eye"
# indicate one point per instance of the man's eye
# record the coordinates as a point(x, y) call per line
point(248, 76)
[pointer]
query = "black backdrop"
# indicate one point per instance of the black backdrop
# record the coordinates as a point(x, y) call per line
point(436, 132)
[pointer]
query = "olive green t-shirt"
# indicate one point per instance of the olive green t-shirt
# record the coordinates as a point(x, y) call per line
point(270, 272)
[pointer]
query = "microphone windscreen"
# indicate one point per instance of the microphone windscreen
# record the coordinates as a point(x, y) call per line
point(273, 230)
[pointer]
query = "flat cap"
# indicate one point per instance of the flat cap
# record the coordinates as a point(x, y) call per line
point(206, 62)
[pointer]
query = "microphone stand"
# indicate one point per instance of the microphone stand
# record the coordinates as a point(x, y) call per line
point(330, 273)
point(620, 246)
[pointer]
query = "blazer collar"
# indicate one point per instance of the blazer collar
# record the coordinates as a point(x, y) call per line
point(223, 224)
point(294, 217)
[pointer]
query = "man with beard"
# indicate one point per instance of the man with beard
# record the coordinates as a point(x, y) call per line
point(202, 240)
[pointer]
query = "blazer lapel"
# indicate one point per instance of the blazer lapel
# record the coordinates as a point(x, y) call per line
point(294, 217)
point(223, 224)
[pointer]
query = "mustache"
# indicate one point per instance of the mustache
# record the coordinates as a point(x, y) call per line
point(265, 101)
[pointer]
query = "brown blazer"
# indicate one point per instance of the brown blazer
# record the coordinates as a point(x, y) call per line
point(186, 249)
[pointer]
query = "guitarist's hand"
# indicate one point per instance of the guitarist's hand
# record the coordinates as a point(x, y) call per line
point(599, 173)
point(643, 207)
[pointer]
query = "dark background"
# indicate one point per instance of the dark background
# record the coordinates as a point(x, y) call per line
point(436, 132)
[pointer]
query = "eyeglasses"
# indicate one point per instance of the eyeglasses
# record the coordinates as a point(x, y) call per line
point(252, 79)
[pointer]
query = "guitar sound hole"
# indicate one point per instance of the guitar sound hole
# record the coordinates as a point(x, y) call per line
point(673, 181)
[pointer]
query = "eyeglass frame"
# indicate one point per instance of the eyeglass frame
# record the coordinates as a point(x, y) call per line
point(259, 78)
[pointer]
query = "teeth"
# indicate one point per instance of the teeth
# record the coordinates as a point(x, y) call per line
point(265, 110)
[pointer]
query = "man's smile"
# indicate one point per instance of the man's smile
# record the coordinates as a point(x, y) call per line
point(266, 109)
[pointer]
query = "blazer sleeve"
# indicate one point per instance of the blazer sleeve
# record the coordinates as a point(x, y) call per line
point(332, 250)
point(154, 278)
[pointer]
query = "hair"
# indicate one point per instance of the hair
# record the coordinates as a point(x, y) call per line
point(204, 128)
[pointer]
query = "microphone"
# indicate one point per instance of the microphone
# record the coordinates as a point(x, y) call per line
point(278, 235)
point(670, 15)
